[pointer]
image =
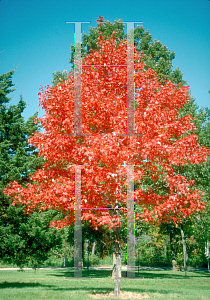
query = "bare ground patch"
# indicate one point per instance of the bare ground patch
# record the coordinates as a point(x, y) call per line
point(123, 295)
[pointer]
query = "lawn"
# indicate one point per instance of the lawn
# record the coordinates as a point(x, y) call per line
point(60, 284)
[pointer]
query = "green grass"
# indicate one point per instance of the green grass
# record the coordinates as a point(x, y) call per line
point(60, 284)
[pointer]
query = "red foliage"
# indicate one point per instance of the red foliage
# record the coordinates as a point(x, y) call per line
point(158, 147)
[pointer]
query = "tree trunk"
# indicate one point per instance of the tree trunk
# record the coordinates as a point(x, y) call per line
point(115, 264)
point(207, 244)
point(86, 246)
point(165, 247)
point(117, 267)
point(173, 256)
point(93, 248)
point(184, 250)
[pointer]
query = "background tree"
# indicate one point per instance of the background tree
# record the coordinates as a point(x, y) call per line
point(200, 174)
point(156, 55)
point(27, 240)
point(23, 237)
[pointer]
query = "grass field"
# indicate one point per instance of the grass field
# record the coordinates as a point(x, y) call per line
point(60, 284)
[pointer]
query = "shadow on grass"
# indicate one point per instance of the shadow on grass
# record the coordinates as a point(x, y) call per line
point(6, 285)
point(202, 273)
point(142, 274)
point(91, 290)
point(92, 274)
point(171, 275)
point(107, 290)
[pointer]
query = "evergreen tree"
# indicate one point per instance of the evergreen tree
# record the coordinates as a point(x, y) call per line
point(22, 236)
point(17, 158)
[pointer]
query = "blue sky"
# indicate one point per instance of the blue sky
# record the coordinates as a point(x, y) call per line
point(35, 39)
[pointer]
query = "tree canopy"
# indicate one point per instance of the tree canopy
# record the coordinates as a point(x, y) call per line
point(156, 55)
point(161, 142)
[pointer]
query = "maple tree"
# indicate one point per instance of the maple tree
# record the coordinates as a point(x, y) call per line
point(161, 141)
point(159, 58)
point(156, 55)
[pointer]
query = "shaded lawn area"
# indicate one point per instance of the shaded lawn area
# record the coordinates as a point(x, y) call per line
point(60, 284)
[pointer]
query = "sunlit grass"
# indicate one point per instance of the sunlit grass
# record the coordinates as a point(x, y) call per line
point(60, 284)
